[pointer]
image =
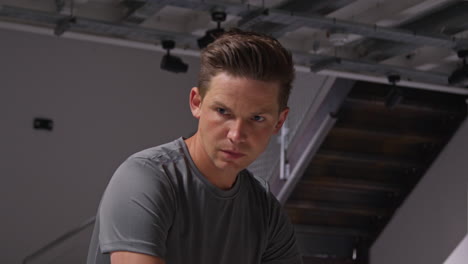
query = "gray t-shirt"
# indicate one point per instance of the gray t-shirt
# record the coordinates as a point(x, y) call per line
point(158, 203)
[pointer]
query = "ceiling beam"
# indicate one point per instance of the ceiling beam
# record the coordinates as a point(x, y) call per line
point(345, 67)
point(139, 11)
point(372, 31)
point(96, 27)
point(319, 62)
point(257, 14)
point(314, 21)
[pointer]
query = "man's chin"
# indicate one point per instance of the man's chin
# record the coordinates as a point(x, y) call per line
point(230, 165)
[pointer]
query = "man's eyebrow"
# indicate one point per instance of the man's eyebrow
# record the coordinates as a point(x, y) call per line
point(261, 111)
point(221, 105)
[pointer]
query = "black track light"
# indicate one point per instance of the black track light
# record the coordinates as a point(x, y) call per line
point(213, 34)
point(395, 96)
point(172, 63)
point(209, 37)
point(460, 75)
point(63, 25)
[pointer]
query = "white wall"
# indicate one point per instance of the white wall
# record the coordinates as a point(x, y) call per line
point(433, 220)
point(460, 254)
point(107, 102)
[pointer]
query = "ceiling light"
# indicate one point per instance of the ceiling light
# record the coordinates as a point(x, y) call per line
point(211, 35)
point(460, 75)
point(172, 63)
point(63, 25)
point(395, 96)
point(59, 4)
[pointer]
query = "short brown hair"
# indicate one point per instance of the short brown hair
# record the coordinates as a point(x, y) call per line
point(249, 55)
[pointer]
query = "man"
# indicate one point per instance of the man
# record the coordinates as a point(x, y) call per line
point(191, 200)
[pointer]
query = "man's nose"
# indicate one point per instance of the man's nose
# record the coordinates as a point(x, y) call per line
point(237, 131)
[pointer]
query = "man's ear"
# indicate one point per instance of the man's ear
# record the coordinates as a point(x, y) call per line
point(195, 101)
point(282, 117)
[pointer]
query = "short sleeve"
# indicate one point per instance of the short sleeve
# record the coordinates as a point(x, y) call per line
point(137, 209)
point(281, 246)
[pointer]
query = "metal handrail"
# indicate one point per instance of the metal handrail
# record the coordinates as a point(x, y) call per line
point(59, 240)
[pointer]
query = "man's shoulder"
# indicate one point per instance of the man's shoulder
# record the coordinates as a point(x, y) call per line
point(149, 167)
point(164, 153)
point(258, 183)
point(261, 182)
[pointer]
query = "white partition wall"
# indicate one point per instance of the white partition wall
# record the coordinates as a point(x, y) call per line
point(432, 222)
point(106, 102)
point(460, 254)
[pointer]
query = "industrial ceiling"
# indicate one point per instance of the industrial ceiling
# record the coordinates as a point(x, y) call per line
point(421, 42)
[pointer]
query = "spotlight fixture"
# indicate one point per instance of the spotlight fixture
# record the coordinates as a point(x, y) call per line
point(63, 25)
point(212, 34)
point(395, 96)
point(460, 75)
point(59, 4)
point(172, 63)
point(393, 78)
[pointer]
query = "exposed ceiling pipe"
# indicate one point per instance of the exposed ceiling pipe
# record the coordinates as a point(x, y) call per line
point(96, 27)
point(319, 62)
point(297, 19)
point(404, 83)
point(139, 11)
point(97, 39)
point(373, 31)
point(187, 40)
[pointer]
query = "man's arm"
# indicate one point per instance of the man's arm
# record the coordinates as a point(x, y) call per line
point(126, 257)
point(136, 212)
point(282, 246)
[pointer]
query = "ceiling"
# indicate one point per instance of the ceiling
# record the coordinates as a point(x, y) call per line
point(416, 40)
point(379, 148)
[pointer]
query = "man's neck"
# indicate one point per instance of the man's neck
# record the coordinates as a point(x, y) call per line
point(223, 179)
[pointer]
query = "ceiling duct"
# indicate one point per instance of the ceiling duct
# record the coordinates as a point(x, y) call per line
point(188, 41)
point(314, 7)
point(448, 19)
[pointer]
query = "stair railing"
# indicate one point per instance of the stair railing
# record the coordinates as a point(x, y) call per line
point(59, 240)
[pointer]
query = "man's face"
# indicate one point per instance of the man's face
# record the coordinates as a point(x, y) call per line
point(237, 117)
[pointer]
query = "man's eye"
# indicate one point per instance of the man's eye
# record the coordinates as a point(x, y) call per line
point(258, 118)
point(221, 110)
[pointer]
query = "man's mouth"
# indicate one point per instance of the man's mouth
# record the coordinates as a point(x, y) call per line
point(232, 154)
